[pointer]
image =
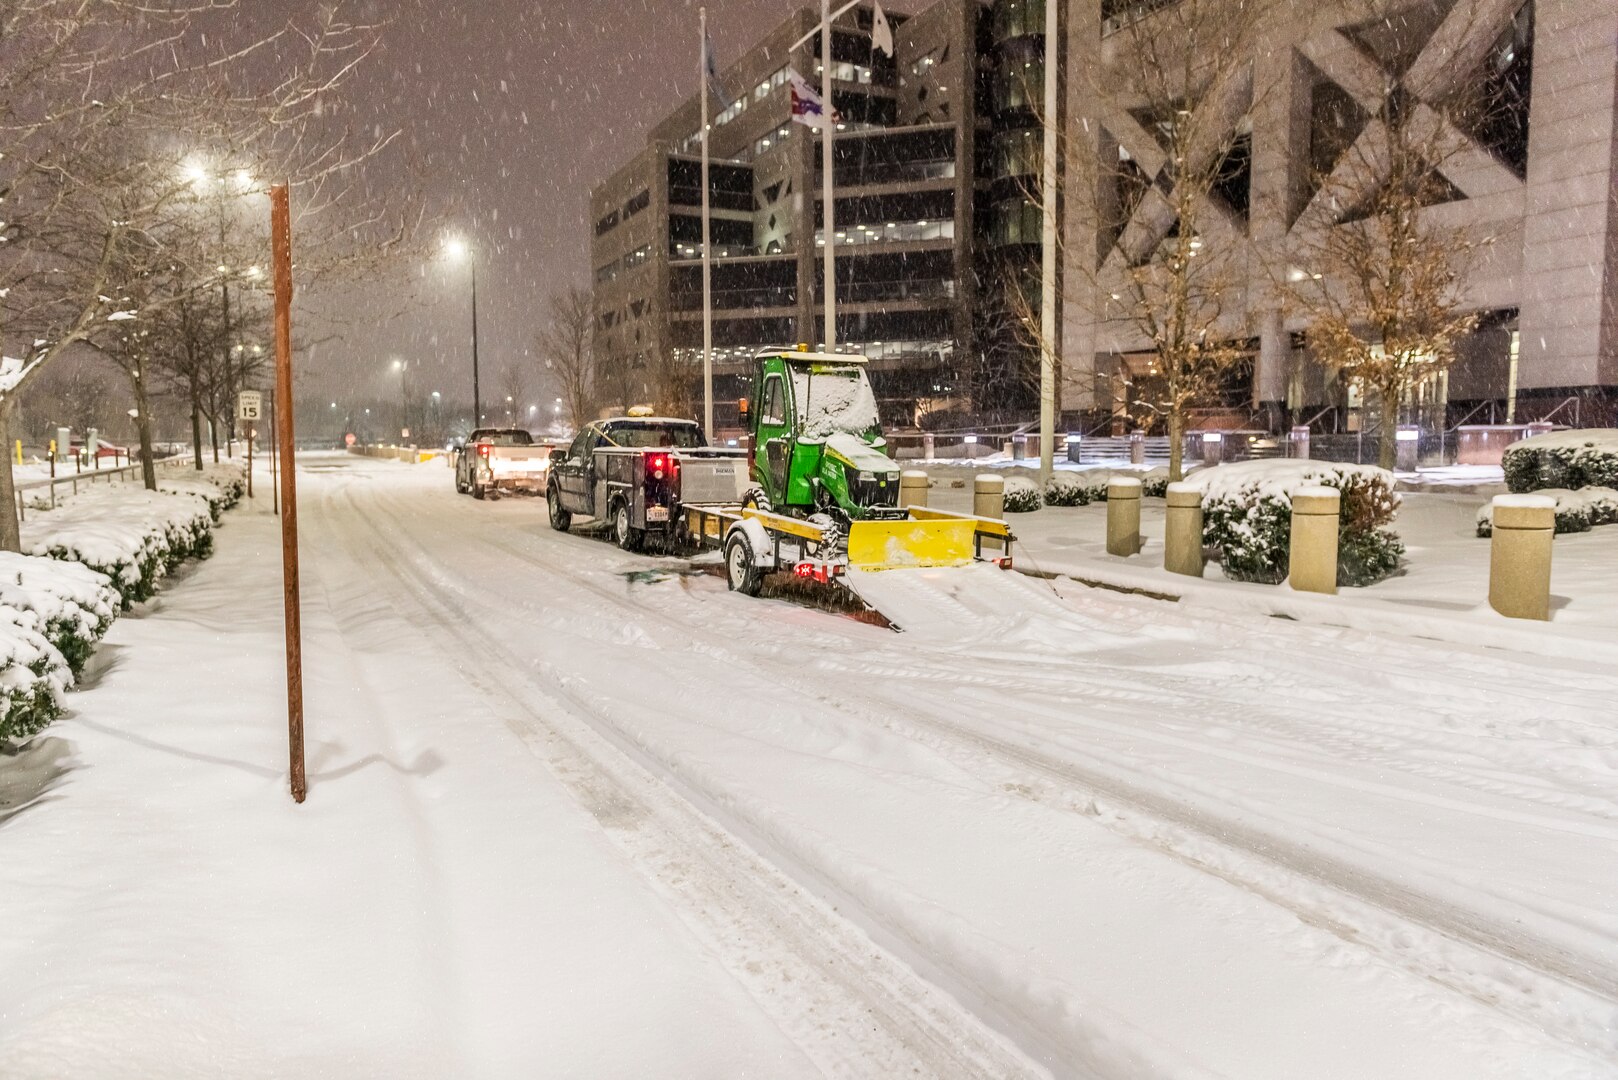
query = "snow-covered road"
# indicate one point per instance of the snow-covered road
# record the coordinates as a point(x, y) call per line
point(1090, 834)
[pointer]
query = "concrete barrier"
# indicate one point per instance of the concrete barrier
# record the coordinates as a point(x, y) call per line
point(1182, 531)
point(913, 488)
point(1312, 561)
point(1123, 516)
point(1520, 556)
point(989, 501)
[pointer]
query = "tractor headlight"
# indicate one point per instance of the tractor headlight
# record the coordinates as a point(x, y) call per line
point(866, 476)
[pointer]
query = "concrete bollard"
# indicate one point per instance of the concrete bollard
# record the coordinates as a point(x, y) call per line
point(989, 501)
point(1312, 562)
point(1123, 516)
point(1182, 531)
point(929, 448)
point(1300, 442)
point(913, 488)
point(1520, 556)
point(1137, 447)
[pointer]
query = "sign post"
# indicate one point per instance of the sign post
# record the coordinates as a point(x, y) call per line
point(249, 403)
point(281, 242)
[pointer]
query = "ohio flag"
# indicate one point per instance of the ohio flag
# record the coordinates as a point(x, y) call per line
point(807, 107)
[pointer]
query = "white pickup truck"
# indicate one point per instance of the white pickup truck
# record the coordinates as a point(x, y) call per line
point(496, 460)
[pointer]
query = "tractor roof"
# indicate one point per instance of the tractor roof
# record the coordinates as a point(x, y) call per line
point(815, 357)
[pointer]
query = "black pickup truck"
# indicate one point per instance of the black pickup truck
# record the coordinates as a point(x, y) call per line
point(631, 472)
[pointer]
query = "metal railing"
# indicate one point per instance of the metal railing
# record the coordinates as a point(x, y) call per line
point(87, 476)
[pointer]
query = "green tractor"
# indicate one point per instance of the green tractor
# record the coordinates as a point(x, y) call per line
point(817, 449)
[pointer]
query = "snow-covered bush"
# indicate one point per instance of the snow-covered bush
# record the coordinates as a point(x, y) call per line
point(1563, 459)
point(1247, 517)
point(221, 486)
point(131, 535)
point(33, 676)
point(1022, 495)
point(1576, 511)
point(1085, 486)
point(68, 603)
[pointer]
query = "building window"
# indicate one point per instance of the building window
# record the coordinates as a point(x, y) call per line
point(1019, 86)
point(777, 78)
point(607, 272)
point(1018, 18)
point(735, 109)
point(773, 140)
point(1018, 221)
point(636, 204)
point(1117, 14)
point(607, 223)
point(1498, 114)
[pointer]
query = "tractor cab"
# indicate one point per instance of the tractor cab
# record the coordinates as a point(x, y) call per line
point(817, 440)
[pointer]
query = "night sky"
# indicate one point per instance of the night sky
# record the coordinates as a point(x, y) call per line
point(512, 110)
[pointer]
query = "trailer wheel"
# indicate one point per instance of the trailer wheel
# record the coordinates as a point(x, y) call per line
point(741, 566)
point(623, 532)
point(560, 518)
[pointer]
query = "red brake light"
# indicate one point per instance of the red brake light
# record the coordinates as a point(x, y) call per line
point(657, 461)
point(483, 449)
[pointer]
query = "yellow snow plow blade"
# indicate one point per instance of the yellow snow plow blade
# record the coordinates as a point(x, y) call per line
point(890, 545)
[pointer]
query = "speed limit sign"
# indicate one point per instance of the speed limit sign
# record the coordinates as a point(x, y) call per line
point(248, 404)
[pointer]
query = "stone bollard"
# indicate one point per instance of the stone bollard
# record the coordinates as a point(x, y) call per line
point(1520, 556)
point(1312, 562)
point(1300, 442)
point(913, 488)
point(1182, 531)
point(929, 447)
point(1137, 447)
point(1123, 516)
point(989, 501)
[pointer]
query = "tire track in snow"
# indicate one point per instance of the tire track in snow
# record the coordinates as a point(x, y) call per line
point(867, 1013)
point(1501, 965)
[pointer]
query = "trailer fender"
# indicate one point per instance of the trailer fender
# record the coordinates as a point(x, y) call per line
point(759, 537)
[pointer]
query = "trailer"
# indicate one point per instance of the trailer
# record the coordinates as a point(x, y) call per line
point(756, 543)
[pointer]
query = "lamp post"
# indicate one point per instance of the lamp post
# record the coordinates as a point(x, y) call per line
point(403, 368)
point(458, 250)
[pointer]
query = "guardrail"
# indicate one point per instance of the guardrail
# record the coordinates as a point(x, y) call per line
point(87, 476)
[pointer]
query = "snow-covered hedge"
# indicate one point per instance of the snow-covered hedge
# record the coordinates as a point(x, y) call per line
point(96, 554)
point(221, 486)
point(1576, 511)
point(1085, 486)
point(1247, 517)
point(1563, 459)
point(1022, 495)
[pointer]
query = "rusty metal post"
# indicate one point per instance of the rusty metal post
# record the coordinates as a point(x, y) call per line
point(281, 241)
point(275, 483)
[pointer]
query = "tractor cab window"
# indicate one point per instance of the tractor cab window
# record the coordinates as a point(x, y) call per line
point(774, 409)
point(833, 398)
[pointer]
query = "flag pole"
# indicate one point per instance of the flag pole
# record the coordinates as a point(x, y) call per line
point(707, 247)
point(1047, 271)
point(827, 170)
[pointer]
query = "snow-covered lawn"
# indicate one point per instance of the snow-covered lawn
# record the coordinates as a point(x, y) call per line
point(577, 812)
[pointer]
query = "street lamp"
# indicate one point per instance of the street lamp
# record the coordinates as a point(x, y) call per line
point(458, 251)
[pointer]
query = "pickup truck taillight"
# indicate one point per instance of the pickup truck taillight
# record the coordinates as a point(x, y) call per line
point(658, 463)
point(483, 449)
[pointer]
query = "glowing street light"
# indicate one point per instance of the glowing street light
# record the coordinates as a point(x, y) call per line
point(457, 250)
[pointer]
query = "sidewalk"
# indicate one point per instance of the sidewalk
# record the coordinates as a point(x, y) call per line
point(1441, 593)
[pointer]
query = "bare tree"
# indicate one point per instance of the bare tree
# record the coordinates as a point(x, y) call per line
point(568, 350)
point(1169, 258)
point(1377, 274)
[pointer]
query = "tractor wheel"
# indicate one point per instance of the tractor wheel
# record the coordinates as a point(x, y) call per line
point(560, 519)
point(741, 568)
point(624, 534)
point(754, 498)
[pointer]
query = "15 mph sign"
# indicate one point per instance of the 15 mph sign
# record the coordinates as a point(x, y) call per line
point(248, 404)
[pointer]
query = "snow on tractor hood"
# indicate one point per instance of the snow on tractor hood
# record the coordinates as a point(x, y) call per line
point(857, 454)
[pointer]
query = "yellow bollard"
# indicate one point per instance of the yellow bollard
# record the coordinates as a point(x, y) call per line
point(1182, 530)
point(1520, 556)
point(989, 501)
point(19, 451)
point(1123, 516)
point(913, 488)
point(1312, 562)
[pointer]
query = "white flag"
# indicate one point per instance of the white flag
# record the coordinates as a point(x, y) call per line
point(881, 32)
point(807, 108)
